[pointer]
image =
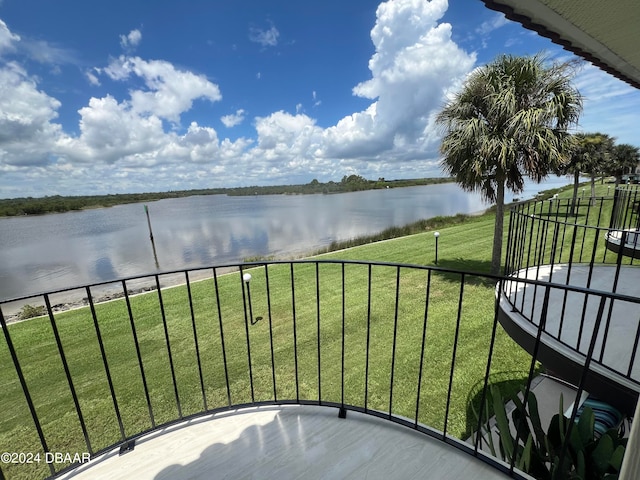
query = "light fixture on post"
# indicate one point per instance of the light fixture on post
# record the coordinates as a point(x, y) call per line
point(246, 278)
point(437, 235)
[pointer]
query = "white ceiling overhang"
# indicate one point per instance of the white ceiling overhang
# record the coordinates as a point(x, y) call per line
point(606, 33)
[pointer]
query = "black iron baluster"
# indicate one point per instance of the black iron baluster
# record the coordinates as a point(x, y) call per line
point(318, 330)
point(295, 335)
point(222, 343)
point(453, 356)
point(554, 243)
point(424, 338)
point(195, 340)
point(395, 336)
point(634, 350)
point(520, 248)
point(273, 360)
point(166, 336)
point(25, 388)
point(366, 368)
point(589, 278)
point(483, 397)
point(567, 281)
point(564, 232)
point(138, 353)
point(105, 363)
point(614, 289)
point(343, 412)
point(508, 261)
point(584, 236)
point(528, 263)
point(538, 261)
point(67, 372)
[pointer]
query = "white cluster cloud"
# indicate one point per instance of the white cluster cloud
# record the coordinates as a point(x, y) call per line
point(27, 130)
point(170, 92)
point(131, 40)
point(415, 63)
point(233, 119)
point(7, 39)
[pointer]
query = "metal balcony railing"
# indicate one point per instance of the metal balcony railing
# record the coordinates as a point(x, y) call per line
point(412, 344)
point(564, 243)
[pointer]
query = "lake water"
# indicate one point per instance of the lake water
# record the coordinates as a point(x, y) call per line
point(44, 253)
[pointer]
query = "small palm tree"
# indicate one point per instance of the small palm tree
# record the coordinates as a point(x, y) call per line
point(590, 154)
point(510, 120)
point(625, 158)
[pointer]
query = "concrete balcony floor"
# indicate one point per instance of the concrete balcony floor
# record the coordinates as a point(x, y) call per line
point(285, 442)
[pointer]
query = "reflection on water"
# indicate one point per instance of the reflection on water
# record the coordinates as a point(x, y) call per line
point(48, 252)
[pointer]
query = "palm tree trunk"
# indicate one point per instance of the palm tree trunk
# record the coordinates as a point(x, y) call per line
point(593, 189)
point(498, 228)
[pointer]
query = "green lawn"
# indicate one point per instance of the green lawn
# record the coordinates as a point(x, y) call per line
point(465, 247)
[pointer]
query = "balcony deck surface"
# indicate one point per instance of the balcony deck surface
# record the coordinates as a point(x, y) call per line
point(565, 312)
point(287, 442)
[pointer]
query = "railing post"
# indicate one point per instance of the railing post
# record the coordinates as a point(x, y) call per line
point(138, 353)
point(166, 336)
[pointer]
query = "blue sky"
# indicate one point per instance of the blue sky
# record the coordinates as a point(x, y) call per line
point(134, 96)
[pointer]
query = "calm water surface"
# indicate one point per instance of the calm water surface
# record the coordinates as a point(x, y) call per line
point(49, 252)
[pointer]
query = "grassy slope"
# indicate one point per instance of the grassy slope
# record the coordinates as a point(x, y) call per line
point(466, 246)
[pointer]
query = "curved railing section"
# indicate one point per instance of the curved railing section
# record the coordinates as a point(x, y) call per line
point(569, 243)
point(416, 345)
point(624, 232)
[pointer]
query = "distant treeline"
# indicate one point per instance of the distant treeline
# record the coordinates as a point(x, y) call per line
point(57, 203)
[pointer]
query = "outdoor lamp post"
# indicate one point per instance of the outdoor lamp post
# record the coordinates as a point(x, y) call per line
point(246, 278)
point(437, 235)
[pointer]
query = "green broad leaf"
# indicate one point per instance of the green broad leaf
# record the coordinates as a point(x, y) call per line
point(506, 441)
point(524, 463)
point(534, 415)
point(492, 446)
point(602, 453)
point(562, 421)
point(586, 425)
point(520, 421)
point(575, 444)
point(555, 436)
point(616, 458)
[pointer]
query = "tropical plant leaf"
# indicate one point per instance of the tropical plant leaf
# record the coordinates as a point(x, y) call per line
point(602, 454)
point(616, 458)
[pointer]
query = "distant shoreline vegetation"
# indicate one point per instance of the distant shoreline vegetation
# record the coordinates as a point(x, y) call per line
point(12, 207)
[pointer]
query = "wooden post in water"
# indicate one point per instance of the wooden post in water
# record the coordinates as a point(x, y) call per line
point(153, 244)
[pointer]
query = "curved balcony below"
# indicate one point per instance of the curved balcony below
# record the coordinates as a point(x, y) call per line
point(571, 320)
point(625, 241)
point(289, 441)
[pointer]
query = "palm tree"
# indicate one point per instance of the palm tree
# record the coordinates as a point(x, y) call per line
point(625, 158)
point(509, 120)
point(590, 154)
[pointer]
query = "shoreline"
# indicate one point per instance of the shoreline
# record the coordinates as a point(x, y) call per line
point(75, 297)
